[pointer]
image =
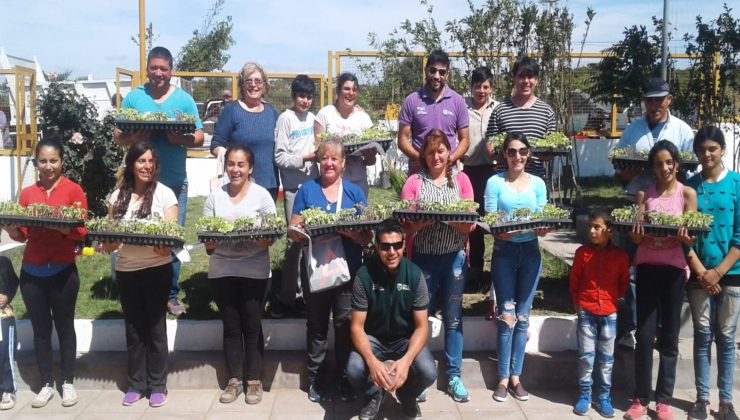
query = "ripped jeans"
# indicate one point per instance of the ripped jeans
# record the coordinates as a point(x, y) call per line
point(445, 275)
point(515, 271)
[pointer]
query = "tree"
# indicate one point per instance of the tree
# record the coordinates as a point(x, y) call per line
point(91, 156)
point(206, 50)
point(631, 63)
point(149, 36)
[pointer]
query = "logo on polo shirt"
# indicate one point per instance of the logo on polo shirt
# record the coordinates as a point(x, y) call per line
point(448, 113)
point(421, 110)
point(402, 287)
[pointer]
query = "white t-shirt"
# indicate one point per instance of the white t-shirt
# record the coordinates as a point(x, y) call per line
point(136, 257)
point(294, 139)
point(357, 122)
point(241, 259)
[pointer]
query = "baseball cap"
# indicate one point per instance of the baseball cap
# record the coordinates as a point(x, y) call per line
point(656, 88)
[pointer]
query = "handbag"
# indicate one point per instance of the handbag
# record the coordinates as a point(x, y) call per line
point(220, 179)
point(326, 261)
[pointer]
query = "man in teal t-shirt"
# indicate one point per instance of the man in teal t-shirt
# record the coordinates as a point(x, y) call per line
point(158, 95)
point(390, 328)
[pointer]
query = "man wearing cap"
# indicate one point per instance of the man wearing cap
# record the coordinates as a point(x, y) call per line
point(657, 124)
point(390, 328)
point(435, 105)
point(641, 135)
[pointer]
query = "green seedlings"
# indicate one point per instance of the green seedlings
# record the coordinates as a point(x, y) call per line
point(371, 134)
point(263, 221)
point(128, 114)
point(553, 141)
point(547, 212)
point(462, 206)
point(73, 212)
point(631, 153)
point(497, 141)
point(692, 219)
point(155, 227)
point(214, 224)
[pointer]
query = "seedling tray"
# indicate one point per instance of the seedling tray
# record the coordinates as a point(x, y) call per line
point(529, 225)
point(551, 152)
point(136, 239)
point(240, 236)
point(353, 147)
point(354, 226)
point(42, 222)
point(660, 230)
point(179, 127)
point(437, 216)
point(627, 161)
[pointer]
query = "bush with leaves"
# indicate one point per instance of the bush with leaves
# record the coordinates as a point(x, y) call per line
point(92, 157)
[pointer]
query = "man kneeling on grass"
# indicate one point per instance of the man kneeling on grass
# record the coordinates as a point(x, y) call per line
point(390, 328)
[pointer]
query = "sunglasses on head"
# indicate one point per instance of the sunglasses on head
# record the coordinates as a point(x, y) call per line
point(386, 246)
point(524, 151)
point(433, 70)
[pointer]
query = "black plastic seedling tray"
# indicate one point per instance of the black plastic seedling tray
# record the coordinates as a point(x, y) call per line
point(42, 222)
point(174, 126)
point(660, 230)
point(136, 239)
point(530, 224)
point(355, 226)
point(551, 152)
point(255, 235)
point(353, 147)
point(627, 161)
point(437, 216)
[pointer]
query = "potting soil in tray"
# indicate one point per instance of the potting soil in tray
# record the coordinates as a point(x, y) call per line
point(660, 230)
point(44, 222)
point(174, 126)
point(240, 236)
point(355, 226)
point(530, 224)
point(136, 239)
point(438, 216)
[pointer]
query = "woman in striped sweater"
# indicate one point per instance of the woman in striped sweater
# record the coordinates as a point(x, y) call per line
point(439, 248)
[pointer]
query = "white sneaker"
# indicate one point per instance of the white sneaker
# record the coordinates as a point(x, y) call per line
point(8, 401)
point(69, 395)
point(43, 397)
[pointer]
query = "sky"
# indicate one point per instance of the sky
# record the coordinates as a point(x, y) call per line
point(285, 36)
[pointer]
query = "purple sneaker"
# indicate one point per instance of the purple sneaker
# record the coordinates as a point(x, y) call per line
point(157, 399)
point(131, 398)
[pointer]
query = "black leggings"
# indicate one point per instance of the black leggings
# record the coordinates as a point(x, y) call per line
point(47, 299)
point(660, 295)
point(321, 305)
point(239, 300)
point(144, 295)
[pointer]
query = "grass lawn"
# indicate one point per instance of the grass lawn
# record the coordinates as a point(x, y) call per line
point(98, 297)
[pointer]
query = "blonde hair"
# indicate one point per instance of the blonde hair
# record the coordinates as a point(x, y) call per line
point(333, 144)
point(250, 68)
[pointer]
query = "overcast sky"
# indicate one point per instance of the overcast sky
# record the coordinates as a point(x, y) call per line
point(93, 37)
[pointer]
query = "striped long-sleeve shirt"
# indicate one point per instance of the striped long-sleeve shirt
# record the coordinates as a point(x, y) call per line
point(534, 122)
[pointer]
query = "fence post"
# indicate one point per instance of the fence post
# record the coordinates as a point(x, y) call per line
point(330, 79)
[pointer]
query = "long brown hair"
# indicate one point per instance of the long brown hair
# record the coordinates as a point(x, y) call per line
point(431, 142)
point(128, 183)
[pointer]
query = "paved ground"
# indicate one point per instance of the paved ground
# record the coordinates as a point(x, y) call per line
point(292, 404)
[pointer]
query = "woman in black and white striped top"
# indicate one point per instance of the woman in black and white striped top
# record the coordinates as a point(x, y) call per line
point(524, 113)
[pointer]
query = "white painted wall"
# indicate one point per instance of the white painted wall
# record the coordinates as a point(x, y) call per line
point(9, 176)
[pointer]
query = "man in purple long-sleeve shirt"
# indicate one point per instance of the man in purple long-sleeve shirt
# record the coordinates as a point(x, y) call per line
point(433, 106)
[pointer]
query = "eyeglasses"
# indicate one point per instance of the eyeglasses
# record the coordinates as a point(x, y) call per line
point(386, 246)
point(523, 152)
point(434, 70)
point(254, 82)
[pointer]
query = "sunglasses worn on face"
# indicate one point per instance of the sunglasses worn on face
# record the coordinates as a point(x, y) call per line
point(524, 151)
point(442, 72)
point(386, 246)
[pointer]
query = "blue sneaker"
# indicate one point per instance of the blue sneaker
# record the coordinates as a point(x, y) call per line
point(603, 406)
point(422, 397)
point(457, 390)
point(582, 406)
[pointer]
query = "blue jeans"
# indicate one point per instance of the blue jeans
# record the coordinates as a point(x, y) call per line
point(181, 192)
point(715, 317)
point(445, 276)
point(422, 372)
point(515, 269)
point(596, 334)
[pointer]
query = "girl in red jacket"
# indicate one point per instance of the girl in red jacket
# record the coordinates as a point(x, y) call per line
point(49, 281)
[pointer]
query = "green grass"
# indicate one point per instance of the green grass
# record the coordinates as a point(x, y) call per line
point(98, 297)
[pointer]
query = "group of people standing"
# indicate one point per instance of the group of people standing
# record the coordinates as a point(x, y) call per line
point(380, 316)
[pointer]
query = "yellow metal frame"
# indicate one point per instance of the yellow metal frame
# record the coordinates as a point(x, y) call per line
point(25, 140)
